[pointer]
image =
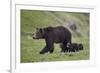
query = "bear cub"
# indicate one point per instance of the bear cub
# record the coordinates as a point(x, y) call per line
point(74, 47)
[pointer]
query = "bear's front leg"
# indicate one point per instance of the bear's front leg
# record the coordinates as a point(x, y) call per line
point(49, 46)
point(44, 50)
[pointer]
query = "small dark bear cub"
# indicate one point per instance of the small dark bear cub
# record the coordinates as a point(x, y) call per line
point(53, 35)
point(74, 47)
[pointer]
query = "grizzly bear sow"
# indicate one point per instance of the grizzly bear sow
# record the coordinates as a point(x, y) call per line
point(53, 35)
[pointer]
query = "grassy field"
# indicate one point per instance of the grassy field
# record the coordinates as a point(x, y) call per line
point(30, 48)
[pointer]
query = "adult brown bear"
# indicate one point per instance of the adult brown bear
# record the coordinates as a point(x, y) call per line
point(53, 35)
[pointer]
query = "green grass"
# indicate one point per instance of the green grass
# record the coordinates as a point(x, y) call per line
point(30, 48)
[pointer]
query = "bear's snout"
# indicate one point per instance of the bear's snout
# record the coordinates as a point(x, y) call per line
point(34, 36)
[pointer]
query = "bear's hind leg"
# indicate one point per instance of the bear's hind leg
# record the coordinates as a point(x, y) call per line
point(52, 49)
point(63, 47)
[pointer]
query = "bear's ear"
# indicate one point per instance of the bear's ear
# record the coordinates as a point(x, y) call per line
point(38, 29)
point(41, 30)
